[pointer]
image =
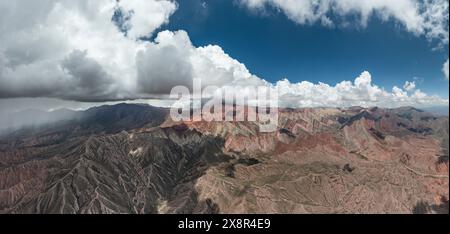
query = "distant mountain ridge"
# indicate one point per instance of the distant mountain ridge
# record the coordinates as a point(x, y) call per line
point(107, 118)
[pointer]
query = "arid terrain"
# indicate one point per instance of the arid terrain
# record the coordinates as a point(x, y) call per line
point(134, 159)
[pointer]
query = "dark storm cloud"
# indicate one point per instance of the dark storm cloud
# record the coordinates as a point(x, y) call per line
point(77, 78)
point(160, 69)
point(88, 77)
point(74, 50)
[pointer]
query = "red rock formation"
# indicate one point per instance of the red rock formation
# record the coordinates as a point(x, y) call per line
point(319, 161)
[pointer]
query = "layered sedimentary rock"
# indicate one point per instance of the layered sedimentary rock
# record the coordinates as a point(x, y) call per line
point(134, 159)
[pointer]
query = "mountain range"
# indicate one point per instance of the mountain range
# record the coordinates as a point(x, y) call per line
point(132, 158)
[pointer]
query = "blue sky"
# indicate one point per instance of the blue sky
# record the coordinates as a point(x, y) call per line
point(274, 47)
point(113, 51)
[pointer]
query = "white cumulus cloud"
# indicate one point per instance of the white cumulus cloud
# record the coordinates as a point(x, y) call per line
point(91, 51)
point(409, 85)
point(445, 69)
point(360, 92)
point(421, 17)
point(55, 48)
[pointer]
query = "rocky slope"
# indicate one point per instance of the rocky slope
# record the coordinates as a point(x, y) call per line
point(134, 159)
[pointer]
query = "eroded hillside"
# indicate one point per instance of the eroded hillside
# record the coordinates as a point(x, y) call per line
point(133, 159)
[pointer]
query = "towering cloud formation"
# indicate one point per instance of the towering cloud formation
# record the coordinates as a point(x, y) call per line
point(421, 17)
point(173, 60)
point(73, 49)
point(99, 51)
